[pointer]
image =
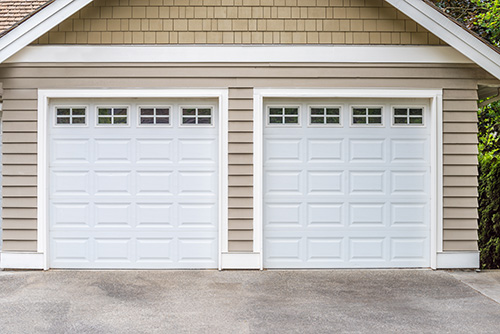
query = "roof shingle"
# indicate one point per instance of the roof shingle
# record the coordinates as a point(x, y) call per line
point(13, 12)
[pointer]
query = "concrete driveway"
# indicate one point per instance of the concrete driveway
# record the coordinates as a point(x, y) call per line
point(337, 301)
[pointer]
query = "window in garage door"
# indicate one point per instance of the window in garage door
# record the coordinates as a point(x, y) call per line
point(348, 185)
point(131, 186)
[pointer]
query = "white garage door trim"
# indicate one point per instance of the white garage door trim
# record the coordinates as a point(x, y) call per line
point(43, 108)
point(436, 151)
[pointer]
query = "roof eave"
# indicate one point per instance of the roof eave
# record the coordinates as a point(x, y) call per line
point(458, 38)
point(37, 25)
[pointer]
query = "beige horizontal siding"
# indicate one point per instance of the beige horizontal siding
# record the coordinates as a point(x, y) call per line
point(19, 170)
point(239, 22)
point(240, 153)
point(460, 170)
point(21, 81)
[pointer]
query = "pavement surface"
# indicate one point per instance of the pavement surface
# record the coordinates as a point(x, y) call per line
point(326, 301)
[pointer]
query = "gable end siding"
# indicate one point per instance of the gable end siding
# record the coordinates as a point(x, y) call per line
point(239, 22)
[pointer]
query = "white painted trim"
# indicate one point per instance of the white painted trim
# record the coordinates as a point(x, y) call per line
point(38, 25)
point(240, 261)
point(42, 169)
point(450, 32)
point(238, 54)
point(436, 106)
point(458, 260)
point(18, 260)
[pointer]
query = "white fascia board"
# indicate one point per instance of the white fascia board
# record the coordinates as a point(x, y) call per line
point(451, 33)
point(37, 25)
point(237, 53)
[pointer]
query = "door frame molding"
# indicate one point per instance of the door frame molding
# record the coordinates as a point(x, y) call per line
point(436, 150)
point(44, 97)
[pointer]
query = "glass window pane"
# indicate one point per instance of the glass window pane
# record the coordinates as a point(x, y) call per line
point(400, 120)
point(189, 112)
point(333, 120)
point(120, 120)
point(147, 120)
point(333, 111)
point(104, 120)
point(317, 111)
point(147, 111)
point(204, 120)
point(359, 120)
point(162, 120)
point(359, 111)
point(400, 112)
point(79, 112)
point(415, 120)
point(416, 112)
point(205, 112)
point(276, 111)
point(162, 111)
point(62, 120)
point(188, 120)
point(104, 111)
point(78, 120)
point(374, 120)
point(63, 112)
point(374, 111)
point(291, 111)
point(317, 120)
point(291, 120)
point(120, 111)
point(275, 120)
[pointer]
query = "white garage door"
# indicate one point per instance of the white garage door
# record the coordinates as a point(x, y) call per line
point(133, 184)
point(346, 184)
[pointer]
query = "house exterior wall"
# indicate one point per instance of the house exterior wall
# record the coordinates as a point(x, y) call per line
point(239, 22)
point(21, 82)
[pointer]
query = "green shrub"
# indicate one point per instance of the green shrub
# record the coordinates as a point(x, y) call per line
point(489, 186)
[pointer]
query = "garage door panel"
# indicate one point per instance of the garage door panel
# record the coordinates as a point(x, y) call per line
point(133, 197)
point(325, 150)
point(67, 151)
point(346, 196)
point(113, 151)
point(288, 149)
point(367, 183)
point(325, 183)
point(367, 150)
point(70, 183)
point(154, 151)
point(113, 183)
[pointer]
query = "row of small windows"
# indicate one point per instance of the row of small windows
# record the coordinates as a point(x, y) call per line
point(147, 116)
point(332, 116)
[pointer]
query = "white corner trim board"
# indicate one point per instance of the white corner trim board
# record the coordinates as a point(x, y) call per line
point(38, 25)
point(458, 260)
point(235, 53)
point(18, 260)
point(451, 33)
point(241, 261)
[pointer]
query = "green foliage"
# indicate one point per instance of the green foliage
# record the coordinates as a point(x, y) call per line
point(481, 16)
point(489, 185)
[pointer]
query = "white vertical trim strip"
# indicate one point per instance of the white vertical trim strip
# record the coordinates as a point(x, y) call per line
point(436, 233)
point(42, 177)
point(258, 196)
